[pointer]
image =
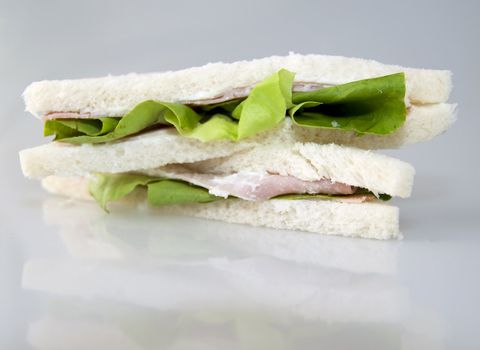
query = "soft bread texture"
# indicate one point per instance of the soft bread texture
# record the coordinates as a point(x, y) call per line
point(309, 161)
point(116, 95)
point(145, 151)
point(367, 220)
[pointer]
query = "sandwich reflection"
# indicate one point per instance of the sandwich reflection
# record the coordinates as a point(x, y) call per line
point(126, 234)
point(135, 280)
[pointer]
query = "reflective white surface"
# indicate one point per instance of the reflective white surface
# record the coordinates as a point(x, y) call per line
point(72, 277)
point(134, 280)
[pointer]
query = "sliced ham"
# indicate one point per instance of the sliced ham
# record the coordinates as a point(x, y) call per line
point(258, 186)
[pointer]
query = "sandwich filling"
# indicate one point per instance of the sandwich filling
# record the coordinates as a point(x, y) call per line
point(369, 106)
point(260, 186)
point(182, 188)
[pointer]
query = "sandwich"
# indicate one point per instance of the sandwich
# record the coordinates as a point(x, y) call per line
point(282, 142)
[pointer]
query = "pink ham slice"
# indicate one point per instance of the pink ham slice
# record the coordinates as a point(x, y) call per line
point(258, 186)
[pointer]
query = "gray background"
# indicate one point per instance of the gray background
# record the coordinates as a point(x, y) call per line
point(66, 39)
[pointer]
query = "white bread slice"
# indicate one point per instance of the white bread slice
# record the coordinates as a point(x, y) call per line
point(145, 151)
point(116, 95)
point(352, 166)
point(367, 220)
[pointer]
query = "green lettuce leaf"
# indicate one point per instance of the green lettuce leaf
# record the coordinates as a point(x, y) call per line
point(218, 127)
point(370, 106)
point(266, 105)
point(382, 196)
point(107, 188)
point(67, 128)
point(111, 187)
point(300, 196)
point(145, 115)
point(226, 107)
point(166, 192)
point(360, 191)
